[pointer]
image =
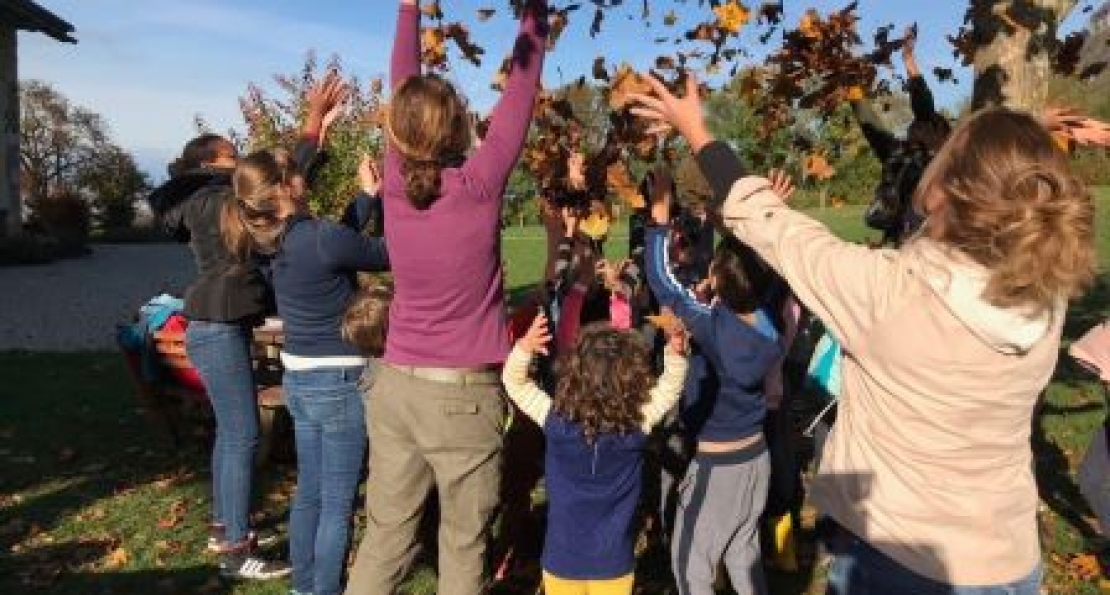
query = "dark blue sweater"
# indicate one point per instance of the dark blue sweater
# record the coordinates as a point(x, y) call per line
point(593, 492)
point(723, 396)
point(313, 279)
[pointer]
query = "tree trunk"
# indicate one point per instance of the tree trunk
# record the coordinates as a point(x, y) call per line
point(1015, 40)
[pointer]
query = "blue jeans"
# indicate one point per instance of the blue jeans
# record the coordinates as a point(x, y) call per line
point(221, 354)
point(860, 569)
point(330, 424)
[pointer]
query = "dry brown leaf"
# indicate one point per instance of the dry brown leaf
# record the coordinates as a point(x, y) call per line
point(818, 167)
point(117, 558)
point(732, 16)
point(626, 82)
point(666, 321)
point(620, 182)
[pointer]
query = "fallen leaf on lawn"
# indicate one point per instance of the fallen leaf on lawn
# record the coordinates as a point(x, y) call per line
point(1084, 567)
point(117, 558)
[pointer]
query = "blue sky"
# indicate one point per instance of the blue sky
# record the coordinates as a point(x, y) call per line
point(151, 67)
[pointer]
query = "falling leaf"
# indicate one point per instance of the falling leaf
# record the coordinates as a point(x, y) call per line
point(854, 93)
point(626, 82)
point(818, 167)
point(670, 19)
point(732, 16)
point(666, 321)
point(620, 182)
point(599, 71)
point(432, 10)
point(484, 14)
point(596, 226)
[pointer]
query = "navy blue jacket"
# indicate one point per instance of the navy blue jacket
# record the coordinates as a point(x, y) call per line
point(723, 396)
point(593, 492)
point(313, 275)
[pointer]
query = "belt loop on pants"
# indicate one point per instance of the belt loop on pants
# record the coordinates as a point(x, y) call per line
point(458, 376)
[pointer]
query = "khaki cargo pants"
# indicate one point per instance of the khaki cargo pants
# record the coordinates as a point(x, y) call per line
point(425, 433)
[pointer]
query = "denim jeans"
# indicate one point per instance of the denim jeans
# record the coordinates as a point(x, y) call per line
point(860, 569)
point(221, 354)
point(330, 425)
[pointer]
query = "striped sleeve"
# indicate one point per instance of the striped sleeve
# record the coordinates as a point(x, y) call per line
point(535, 403)
point(667, 390)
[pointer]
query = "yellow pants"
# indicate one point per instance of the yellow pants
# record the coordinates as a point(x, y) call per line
point(553, 585)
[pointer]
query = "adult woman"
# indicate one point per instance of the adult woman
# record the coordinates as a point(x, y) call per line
point(222, 305)
point(436, 413)
point(948, 343)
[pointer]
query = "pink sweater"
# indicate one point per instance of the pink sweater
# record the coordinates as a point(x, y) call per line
point(449, 306)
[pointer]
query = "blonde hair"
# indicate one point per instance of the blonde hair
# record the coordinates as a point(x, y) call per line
point(428, 124)
point(366, 320)
point(1011, 203)
point(251, 220)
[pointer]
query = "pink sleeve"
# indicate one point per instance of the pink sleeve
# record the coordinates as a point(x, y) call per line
point(620, 312)
point(570, 318)
point(510, 119)
point(405, 61)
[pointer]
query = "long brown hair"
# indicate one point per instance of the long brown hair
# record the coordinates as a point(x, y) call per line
point(429, 126)
point(1009, 201)
point(605, 382)
point(251, 220)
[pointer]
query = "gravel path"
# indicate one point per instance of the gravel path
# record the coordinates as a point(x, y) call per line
point(75, 304)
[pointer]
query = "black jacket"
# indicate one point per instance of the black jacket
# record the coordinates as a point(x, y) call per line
point(189, 208)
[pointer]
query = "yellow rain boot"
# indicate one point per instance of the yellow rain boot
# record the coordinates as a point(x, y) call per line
point(786, 552)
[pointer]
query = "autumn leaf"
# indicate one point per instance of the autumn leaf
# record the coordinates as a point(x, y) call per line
point(666, 321)
point(117, 558)
point(854, 93)
point(670, 19)
point(485, 14)
point(818, 167)
point(1084, 567)
point(596, 226)
point(432, 10)
point(732, 16)
point(809, 25)
point(620, 182)
point(626, 82)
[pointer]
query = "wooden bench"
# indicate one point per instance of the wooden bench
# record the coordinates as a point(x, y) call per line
point(180, 395)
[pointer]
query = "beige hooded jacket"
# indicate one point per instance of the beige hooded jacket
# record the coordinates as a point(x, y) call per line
point(930, 459)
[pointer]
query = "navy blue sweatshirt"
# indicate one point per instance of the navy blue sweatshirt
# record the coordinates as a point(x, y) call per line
point(314, 278)
point(722, 400)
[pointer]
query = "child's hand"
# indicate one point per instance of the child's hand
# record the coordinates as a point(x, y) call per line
point(538, 336)
point(571, 220)
point(369, 178)
point(576, 171)
point(661, 198)
point(781, 183)
point(678, 341)
point(324, 97)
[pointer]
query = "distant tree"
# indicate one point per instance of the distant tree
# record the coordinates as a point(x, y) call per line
point(58, 140)
point(113, 182)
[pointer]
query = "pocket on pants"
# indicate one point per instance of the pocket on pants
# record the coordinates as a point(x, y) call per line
point(475, 418)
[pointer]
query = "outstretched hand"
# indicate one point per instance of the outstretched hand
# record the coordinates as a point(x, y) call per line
point(1067, 126)
point(325, 99)
point(661, 197)
point(369, 177)
point(781, 183)
point(538, 336)
point(667, 111)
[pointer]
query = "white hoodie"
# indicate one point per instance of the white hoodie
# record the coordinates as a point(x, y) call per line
point(930, 459)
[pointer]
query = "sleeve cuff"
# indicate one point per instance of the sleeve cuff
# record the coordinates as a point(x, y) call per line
point(747, 197)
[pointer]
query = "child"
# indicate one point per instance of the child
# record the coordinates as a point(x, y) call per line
point(313, 266)
point(366, 320)
point(725, 488)
point(595, 428)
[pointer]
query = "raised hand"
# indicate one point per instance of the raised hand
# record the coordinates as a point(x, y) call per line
point(909, 41)
point(576, 171)
point(323, 97)
point(538, 336)
point(571, 220)
point(369, 177)
point(661, 197)
point(781, 183)
point(666, 111)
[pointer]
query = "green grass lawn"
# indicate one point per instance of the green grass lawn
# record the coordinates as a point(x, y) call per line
point(93, 501)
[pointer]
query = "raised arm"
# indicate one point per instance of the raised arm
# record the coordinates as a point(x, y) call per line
point(882, 141)
point(669, 292)
point(667, 390)
point(921, 98)
point(531, 399)
point(406, 44)
point(843, 284)
point(494, 160)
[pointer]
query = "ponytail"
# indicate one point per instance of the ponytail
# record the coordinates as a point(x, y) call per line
point(423, 181)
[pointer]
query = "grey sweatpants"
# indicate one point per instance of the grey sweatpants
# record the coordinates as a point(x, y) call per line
point(719, 507)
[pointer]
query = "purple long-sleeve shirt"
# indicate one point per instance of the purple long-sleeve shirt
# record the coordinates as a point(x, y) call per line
point(448, 307)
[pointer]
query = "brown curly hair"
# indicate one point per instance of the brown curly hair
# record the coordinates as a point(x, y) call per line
point(1009, 200)
point(604, 382)
point(366, 320)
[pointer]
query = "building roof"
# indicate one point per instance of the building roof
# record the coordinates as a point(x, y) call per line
point(26, 15)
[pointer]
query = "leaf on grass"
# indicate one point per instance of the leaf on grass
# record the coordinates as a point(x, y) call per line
point(1084, 567)
point(117, 558)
